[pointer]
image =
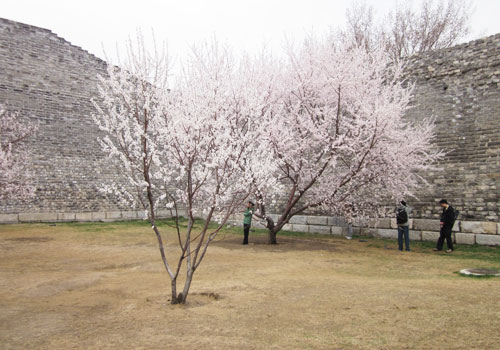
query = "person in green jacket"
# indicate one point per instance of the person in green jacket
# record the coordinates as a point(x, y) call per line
point(247, 221)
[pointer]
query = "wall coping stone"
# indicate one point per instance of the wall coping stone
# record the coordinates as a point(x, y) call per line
point(415, 235)
point(479, 227)
point(321, 229)
point(317, 220)
point(465, 238)
point(98, 216)
point(467, 232)
point(338, 230)
point(386, 233)
point(9, 218)
point(430, 235)
point(300, 228)
point(37, 217)
point(484, 239)
point(298, 219)
point(66, 217)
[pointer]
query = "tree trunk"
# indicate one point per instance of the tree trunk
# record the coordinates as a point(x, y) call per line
point(174, 298)
point(272, 237)
point(183, 296)
point(272, 230)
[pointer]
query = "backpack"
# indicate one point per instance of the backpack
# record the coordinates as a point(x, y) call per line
point(402, 216)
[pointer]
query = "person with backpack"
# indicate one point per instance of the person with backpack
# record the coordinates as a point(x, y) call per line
point(403, 221)
point(447, 220)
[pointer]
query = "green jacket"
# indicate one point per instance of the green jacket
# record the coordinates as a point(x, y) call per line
point(247, 216)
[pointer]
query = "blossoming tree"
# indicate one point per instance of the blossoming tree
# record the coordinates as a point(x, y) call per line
point(338, 135)
point(185, 147)
point(14, 156)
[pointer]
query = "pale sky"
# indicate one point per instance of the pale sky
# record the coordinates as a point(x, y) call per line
point(245, 25)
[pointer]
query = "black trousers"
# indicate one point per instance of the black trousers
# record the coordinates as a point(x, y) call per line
point(445, 233)
point(246, 231)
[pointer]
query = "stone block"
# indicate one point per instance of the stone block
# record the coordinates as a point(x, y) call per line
point(48, 217)
point(83, 216)
point(394, 223)
point(485, 239)
point(66, 217)
point(479, 227)
point(338, 230)
point(129, 215)
point(360, 222)
point(430, 235)
point(336, 221)
point(465, 238)
point(9, 218)
point(98, 216)
point(415, 235)
point(38, 217)
point(299, 219)
point(426, 225)
point(384, 223)
point(386, 233)
point(113, 215)
point(411, 223)
point(165, 213)
point(258, 224)
point(183, 213)
point(317, 220)
point(366, 231)
point(456, 226)
point(300, 228)
point(287, 227)
point(275, 217)
point(142, 215)
point(324, 230)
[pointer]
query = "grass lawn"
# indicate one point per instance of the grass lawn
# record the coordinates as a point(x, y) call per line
point(103, 286)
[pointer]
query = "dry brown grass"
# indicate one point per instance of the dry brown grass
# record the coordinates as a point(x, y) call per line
point(103, 287)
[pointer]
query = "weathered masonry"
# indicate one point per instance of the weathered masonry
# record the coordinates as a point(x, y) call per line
point(460, 87)
point(52, 82)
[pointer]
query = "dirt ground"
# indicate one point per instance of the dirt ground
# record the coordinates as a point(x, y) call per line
point(104, 287)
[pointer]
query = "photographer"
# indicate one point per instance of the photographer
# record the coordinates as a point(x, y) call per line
point(247, 220)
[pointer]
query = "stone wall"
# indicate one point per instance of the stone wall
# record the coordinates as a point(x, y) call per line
point(460, 87)
point(464, 232)
point(89, 216)
point(50, 81)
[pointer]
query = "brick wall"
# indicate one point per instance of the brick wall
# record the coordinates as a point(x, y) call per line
point(52, 82)
point(464, 232)
point(460, 87)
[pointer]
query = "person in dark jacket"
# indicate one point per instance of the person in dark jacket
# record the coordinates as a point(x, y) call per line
point(446, 222)
point(403, 226)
